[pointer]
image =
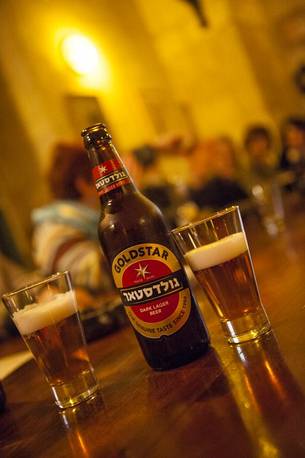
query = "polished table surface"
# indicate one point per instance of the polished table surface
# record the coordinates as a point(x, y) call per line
point(236, 401)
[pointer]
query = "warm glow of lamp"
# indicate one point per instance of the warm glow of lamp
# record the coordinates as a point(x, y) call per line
point(80, 54)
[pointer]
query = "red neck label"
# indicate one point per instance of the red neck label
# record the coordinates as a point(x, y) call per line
point(109, 175)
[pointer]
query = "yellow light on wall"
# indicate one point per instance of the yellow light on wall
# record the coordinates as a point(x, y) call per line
point(80, 54)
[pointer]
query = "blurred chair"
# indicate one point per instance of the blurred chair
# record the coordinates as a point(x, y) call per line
point(12, 277)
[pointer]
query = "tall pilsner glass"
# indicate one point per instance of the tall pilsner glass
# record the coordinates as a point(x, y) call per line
point(46, 316)
point(217, 251)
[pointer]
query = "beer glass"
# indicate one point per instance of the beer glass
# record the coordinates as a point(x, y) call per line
point(217, 251)
point(47, 318)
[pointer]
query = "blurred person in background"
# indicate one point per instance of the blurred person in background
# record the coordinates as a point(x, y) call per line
point(153, 184)
point(65, 231)
point(261, 156)
point(293, 155)
point(263, 181)
point(216, 183)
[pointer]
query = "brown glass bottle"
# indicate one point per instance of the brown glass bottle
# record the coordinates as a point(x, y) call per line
point(151, 281)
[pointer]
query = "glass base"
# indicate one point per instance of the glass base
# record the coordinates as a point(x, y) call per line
point(80, 388)
point(246, 328)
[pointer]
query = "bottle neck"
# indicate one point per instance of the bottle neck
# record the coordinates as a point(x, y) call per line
point(110, 175)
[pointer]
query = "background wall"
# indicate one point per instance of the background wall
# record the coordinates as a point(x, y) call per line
point(209, 68)
point(163, 72)
point(273, 34)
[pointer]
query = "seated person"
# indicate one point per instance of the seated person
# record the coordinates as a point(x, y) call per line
point(153, 185)
point(219, 186)
point(65, 231)
point(293, 155)
point(258, 144)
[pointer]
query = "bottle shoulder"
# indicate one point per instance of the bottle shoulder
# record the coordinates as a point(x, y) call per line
point(128, 210)
point(136, 220)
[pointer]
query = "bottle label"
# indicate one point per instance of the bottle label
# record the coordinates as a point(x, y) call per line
point(153, 289)
point(109, 175)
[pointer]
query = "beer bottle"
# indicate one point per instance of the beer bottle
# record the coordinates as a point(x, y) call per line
point(146, 270)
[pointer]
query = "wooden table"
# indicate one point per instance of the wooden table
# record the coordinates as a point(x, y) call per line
point(238, 401)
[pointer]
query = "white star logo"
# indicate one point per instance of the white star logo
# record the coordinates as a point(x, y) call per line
point(142, 271)
point(102, 169)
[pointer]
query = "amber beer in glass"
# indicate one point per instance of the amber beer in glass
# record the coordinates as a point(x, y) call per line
point(217, 251)
point(144, 263)
point(46, 316)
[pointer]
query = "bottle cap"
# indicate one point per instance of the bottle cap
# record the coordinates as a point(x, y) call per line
point(95, 135)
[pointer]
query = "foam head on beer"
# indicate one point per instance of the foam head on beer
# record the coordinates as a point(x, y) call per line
point(217, 252)
point(40, 315)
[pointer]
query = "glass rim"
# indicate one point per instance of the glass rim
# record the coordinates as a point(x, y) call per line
point(218, 214)
point(35, 284)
